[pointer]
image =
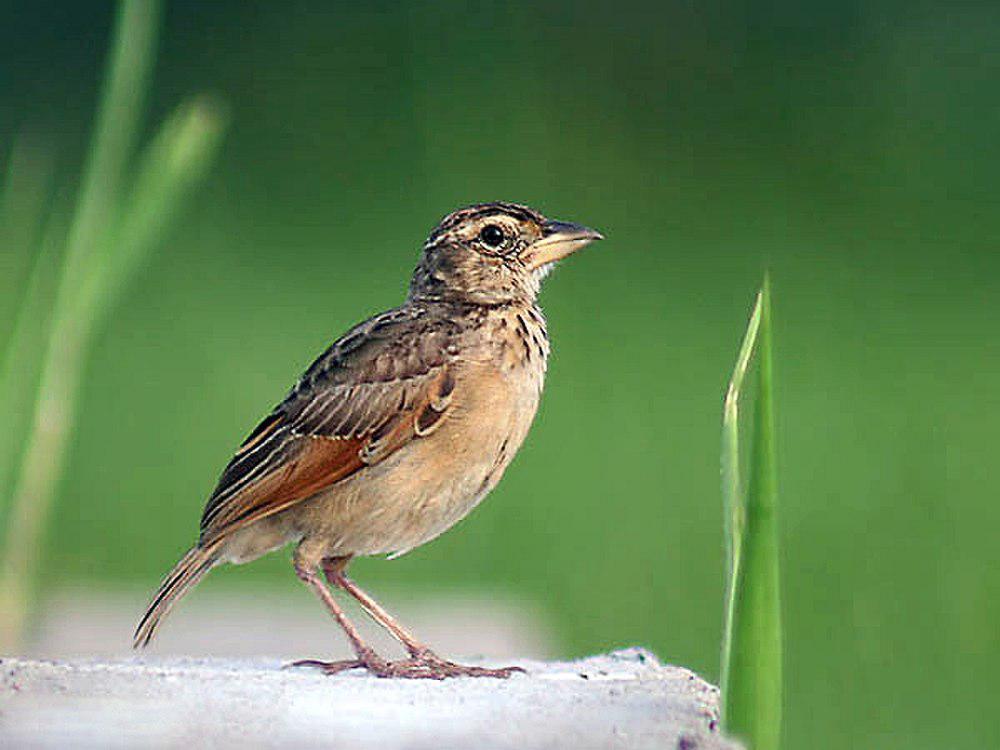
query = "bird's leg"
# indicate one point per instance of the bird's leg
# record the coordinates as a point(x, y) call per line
point(423, 663)
point(365, 657)
point(333, 568)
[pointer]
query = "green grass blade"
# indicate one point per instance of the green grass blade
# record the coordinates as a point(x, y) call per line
point(734, 512)
point(23, 227)
point(752, 653)
point(169, 168)
point(21, 361)
point(116, 128)
point(24, 203)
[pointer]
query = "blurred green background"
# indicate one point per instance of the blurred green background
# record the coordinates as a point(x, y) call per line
point(850, 147)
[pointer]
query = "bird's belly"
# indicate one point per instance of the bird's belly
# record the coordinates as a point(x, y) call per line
point(433, 482)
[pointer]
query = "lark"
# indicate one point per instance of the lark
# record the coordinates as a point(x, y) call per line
point(397, 431)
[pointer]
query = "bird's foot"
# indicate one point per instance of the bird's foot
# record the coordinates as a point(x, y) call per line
point(423, 665)
point(429, 666)
point(367, 659)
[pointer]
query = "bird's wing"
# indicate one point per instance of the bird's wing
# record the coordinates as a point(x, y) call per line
point(383, 384)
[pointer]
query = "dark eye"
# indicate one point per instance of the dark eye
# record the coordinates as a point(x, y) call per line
point(491, 235)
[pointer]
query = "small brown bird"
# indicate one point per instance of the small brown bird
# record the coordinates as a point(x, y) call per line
point(398, 430)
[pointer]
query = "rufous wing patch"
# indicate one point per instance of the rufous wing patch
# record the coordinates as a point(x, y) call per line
point(316, 464)
point(368, 423)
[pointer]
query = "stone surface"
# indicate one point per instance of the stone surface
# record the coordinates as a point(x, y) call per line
point(626, 699)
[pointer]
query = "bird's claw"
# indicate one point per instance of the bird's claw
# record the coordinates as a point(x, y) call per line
point(428, 665)
point(420, 666)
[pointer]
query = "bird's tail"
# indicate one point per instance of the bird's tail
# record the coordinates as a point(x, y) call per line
point(182, 578)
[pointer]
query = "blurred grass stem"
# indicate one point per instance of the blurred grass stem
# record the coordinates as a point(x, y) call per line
point(108, 237)
point(22, 215)
point(118, 116)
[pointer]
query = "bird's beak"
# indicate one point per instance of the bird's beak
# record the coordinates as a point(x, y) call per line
point(559, 239)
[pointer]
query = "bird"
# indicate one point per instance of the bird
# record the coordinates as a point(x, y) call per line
point(396, 432)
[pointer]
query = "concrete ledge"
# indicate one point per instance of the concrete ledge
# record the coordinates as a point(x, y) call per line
point(626, 699)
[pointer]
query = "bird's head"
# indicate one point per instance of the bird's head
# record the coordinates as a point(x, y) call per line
point(492, 253)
